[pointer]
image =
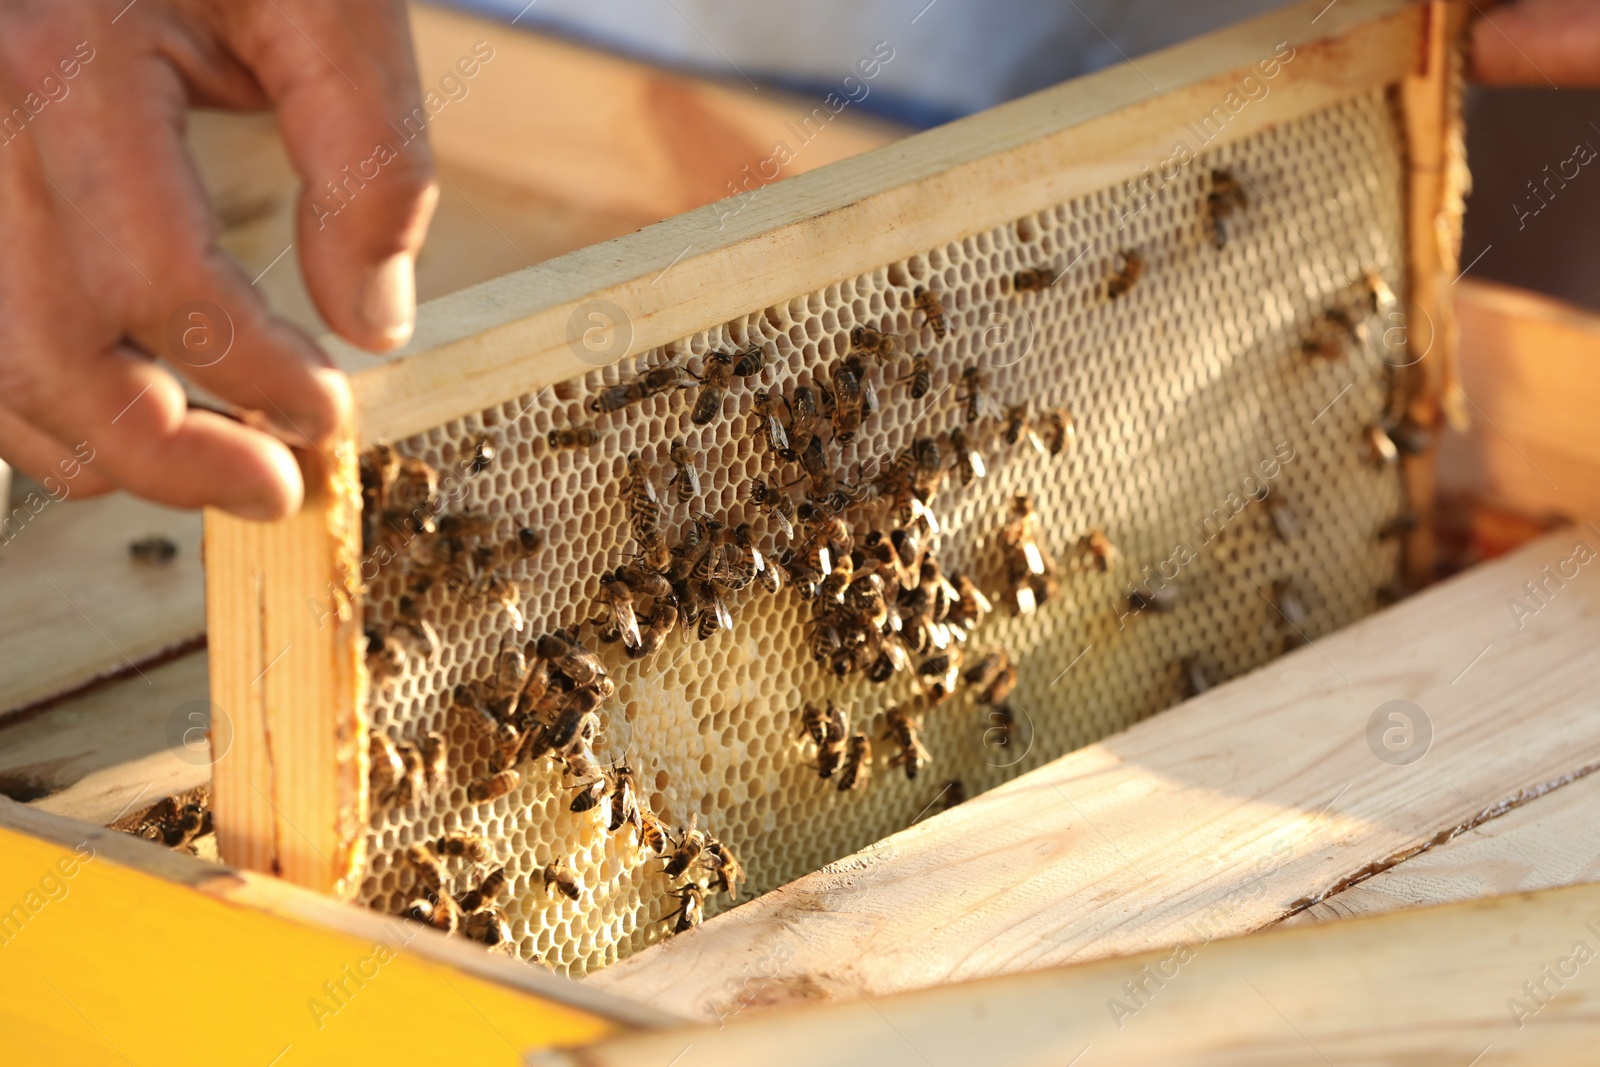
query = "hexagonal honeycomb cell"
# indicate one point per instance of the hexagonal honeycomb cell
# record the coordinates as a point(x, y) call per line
point(1187, 390)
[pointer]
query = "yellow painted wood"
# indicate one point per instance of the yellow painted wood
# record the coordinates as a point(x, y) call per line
point(101, 963)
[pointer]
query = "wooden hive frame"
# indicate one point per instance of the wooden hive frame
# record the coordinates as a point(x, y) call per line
point(283, 601)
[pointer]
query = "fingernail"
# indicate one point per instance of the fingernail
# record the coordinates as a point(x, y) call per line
point(387, 302)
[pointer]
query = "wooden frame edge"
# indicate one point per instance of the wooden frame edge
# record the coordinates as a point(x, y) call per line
point(288, 682)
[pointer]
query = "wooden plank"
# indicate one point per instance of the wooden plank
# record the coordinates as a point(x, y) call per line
point(1530, 368)
point(510, 336)
point(1430, 100)
point(283, 612)
point(610, 135)
point(1549, 842)
point(78, 607)
point(127, 953)
point(1455, 985)
point(1222, 815)
point(119, 747)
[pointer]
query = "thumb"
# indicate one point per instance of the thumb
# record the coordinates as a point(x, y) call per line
point(344, 81)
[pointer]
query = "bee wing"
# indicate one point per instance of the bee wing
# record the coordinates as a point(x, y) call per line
point(1036, 441)
point(724, 616)
point(975, 459)
point(777, 436)
point(869, 398)
point(1035, 559)
point(627, 621)
point(784, 524)
point(1026, 604)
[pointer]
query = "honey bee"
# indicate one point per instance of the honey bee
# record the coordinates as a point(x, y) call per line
point(719, 369)
point(434, 754)
point(932, 310)
point(573, 731)
point(652, 834)
point(1001, 685)
point(1284, 521)
point(568, 655)
point(437, 910)
point(874, 342)
point(384, 767)
point(913, 754)
point(686, 850)
point(1377, 297)
point(774, 503)
point(1103, 552)
point(686, 475)
point(1018, 425)
point(1123, 278)
point(804, 416)
point(969, 461)
point(410, 623)
point(573, 437)
point(591, 795)
point(153, 550)
point(625, 806)
point(726, 870)
point(1287, 600)
point(814, 722)
point(650, 383)
point(1031, 572)
point(857, 763)
point(563, 879)
point(412, 782)
point(481, 790)
point(618, 596)
point(482, 454)
point(465, 845)
point(921, 376)
point(692, 911)
point(1330, 332)
point(1226, 197)
point(939, 674)
point(1033, 280)
point(497, 932)
point(663, 620)
point(971, 605)
point(952, 793)
point(853, 398)
point(831, 749)
point(504, 594)
point(481, 897)
point(751, 361)
point(386, 656)
point(975, 400)
point(1060, 430)
point(1381, 446)
point(987, 668)
point(430, 869)
point(814, 461)
point(770, 427)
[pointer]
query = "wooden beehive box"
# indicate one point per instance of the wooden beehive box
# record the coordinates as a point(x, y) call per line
point(1211, 377)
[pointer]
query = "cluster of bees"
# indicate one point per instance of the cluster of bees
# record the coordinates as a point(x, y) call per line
point(860, 545)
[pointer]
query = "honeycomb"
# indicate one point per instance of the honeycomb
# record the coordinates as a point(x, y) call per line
point(1182, 389)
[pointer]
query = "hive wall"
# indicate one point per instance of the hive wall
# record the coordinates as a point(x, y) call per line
point(1181, 389)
